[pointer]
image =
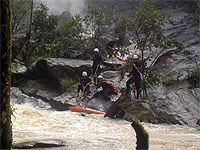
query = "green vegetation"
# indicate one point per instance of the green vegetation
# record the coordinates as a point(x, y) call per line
point(169, 79)
point(187, 52)
point(194, 76)
point(20, 10)
point(67, 83)
point(146, 29)
point(45, 38)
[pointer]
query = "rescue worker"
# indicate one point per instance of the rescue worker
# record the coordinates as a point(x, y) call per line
point(110, 47)
point(107, 89)
point(97, 60)
point(84, 85)
point(136, 76)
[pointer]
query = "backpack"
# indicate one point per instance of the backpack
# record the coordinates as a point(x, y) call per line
point(114, 90)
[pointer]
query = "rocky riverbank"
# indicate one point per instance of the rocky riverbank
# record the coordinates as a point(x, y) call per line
point(51, 83)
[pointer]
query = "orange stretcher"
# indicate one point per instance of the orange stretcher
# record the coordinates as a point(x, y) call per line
point(86, 110)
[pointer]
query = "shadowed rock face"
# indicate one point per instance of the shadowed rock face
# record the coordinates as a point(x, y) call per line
point(41, 144)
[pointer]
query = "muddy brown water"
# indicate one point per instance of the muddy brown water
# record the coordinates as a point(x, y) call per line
point(94, 132)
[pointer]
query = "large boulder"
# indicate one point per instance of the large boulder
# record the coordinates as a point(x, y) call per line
point(174, 104)
point(17, 97)
point(18, 70)
point(58, 71)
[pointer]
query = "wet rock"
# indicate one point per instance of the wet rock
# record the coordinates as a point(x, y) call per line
point(18, 67)
point(39, 88)
point(41, 144)
point(61, 68)
point(115, 111)
point(18, 70)
point(141, 135)
point(198, 122)
point(75, 54)
point(113, 64)
point(17, 97)
point(57, 69)
point(98, 104)
point(110, 74)
point(95, 103)
point(177, 62)
point(64, 16)
point(175, 104)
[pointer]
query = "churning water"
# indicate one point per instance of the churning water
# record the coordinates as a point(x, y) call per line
point(94, 132)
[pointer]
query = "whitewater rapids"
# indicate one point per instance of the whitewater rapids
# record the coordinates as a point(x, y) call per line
point(96, 132)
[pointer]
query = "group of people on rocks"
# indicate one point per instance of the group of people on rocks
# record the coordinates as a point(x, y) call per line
point(107, 88)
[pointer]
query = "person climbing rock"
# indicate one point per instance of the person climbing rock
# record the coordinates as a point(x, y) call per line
point(107, 89)
point(97, 60)
point(110, 47)
point(136, 77)
point(84, 85)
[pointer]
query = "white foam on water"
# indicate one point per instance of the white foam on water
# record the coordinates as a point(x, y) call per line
point(96, 132)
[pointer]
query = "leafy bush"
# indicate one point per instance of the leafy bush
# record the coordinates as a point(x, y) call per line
point(187, 52)
point(67, 83)
point(169, 79)
point(194, 76)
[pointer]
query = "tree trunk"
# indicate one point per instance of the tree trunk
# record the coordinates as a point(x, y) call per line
point(5, 68)
point(198, 3)
point(141, 135)
point(25, 54)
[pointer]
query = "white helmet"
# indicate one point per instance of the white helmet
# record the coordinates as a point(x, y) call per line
point(84, 74)
point(100, 77)
point(96, 50)
point(135, 57)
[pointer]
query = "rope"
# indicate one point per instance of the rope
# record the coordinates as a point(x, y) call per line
point(96, 72)
point(137, 71)
point(82, 94)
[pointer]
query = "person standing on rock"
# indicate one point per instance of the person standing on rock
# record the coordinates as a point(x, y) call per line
point(136, 76)
point(84, 85)
point(107, 89)
point(110, 47)
point(97, 60)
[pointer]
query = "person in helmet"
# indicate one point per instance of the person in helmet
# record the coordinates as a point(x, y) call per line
point(107, 89)
point(84, 85)
point(97, 60)
point(136, 77)
point(110, 47)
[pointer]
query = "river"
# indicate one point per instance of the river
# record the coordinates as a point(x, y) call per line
point(94, 132)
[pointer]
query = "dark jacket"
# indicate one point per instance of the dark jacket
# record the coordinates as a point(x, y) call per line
point(134, 71)
point(105, 86)
point(111, 44)
point(97, 60)
point(85, 81)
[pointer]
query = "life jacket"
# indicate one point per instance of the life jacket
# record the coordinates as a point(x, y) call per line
point(114, 90)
